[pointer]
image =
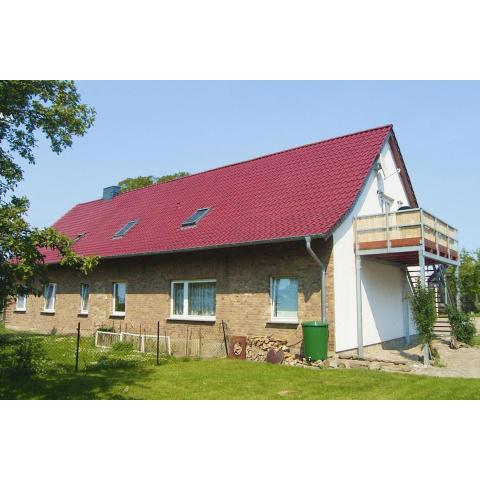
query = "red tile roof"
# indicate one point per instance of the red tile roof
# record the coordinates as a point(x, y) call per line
point(302, 191)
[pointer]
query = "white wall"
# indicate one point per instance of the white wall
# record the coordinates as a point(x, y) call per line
point(382, 297)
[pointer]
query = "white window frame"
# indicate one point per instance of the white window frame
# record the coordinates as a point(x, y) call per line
point(84, 311)
point(54, 295)
point(185, 316)
point(273, 318)
point(386, 202)
point(24, 308)
point(114, 312)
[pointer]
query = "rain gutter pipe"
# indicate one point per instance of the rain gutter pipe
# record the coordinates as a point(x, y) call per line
point(308, 244)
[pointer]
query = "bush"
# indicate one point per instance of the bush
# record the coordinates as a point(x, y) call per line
point(462, 325)
point(122, 347)
point(422, 301)
point(27, 358)
point(106, 329)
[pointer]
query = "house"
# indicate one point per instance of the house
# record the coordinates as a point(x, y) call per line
point(326, 230)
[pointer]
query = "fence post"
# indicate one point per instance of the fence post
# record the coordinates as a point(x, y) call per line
point(78, 347)
point(158, 342)
point(225, 339)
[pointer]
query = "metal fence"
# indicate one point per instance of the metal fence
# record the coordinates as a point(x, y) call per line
point(151, 344)
point(32, 353)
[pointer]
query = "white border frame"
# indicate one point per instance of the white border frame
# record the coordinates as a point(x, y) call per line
point(45, 309)
point(114, 312)
point(283, 320)
point(85, 312)
point(186, 317)
point(24, 309)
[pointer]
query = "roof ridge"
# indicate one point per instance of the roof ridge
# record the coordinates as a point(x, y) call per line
point(257, 158)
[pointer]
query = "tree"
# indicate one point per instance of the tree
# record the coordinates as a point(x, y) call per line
point(469, 280)
point(422, 301)
point(139, 182)
point(54, 109)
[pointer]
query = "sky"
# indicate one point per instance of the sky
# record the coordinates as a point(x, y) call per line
point(156, 128)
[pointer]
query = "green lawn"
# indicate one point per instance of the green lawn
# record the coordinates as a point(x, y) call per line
point(134, 376)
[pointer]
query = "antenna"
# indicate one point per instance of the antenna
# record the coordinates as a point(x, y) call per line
point(398, 170)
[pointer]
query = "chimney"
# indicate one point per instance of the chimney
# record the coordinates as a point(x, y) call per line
point(110, 192)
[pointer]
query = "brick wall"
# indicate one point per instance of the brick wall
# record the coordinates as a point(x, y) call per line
point(243, 291)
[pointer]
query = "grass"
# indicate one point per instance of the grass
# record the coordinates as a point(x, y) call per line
point(127, 375)
point(476, 341)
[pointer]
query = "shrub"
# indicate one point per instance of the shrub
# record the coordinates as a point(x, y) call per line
point(106, 329)
point(122, 347)
point(27, 358)
point(422, 301)
point(462, 325)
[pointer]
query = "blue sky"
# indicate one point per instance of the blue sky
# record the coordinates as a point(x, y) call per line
point(155, 128)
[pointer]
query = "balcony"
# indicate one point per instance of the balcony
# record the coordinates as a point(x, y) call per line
point(404, 235)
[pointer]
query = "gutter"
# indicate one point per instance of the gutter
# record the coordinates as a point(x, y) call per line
point(308, 245)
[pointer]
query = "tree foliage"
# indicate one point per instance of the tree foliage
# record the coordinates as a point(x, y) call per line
point(469, 276)
point(463, 328)
point(139, 182)
point(27, 109)
point(424, 312)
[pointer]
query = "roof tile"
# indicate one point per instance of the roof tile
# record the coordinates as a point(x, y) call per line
point(302, 191)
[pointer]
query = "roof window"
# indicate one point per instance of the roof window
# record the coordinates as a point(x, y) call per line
point(125, 229)
point(195, 218)
point(78, 237)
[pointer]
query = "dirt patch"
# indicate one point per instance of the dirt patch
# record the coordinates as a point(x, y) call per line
point(463, 362)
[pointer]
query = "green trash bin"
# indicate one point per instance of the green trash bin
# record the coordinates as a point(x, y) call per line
point(315, 340)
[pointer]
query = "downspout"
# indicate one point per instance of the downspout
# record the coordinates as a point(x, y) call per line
point(308, 244)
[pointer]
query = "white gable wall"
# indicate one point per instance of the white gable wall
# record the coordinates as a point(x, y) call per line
point(382, 296)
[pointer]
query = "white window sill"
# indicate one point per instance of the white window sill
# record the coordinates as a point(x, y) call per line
point(117, 314)
point(192, 318)
point(20, 310)
point(48, 311)
point(83, 313)
point(284, 321)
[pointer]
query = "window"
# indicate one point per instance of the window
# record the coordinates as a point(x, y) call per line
point(21, 305)
point(125, 229)
point(284, 294)
point(195, 218)
point(78, 237)
point(49, 293)
point(119, 298)
point(84, 294)
point(387, 204)
point(194, 300)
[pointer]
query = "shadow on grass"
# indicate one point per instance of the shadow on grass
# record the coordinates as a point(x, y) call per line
point(107, 384)
point(42, 367)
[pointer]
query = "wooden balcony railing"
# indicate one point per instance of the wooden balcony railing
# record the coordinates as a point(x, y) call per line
point(406, 228)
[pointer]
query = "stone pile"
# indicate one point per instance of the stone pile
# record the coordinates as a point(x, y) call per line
point(258, 348)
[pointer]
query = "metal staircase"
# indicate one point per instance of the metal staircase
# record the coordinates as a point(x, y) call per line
point(435, 279)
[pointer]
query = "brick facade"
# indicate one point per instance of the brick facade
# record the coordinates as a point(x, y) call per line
point(242, 283)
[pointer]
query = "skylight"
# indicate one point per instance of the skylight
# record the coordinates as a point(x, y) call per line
point(78, 237)
point(125, 229)
point(195, 218)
